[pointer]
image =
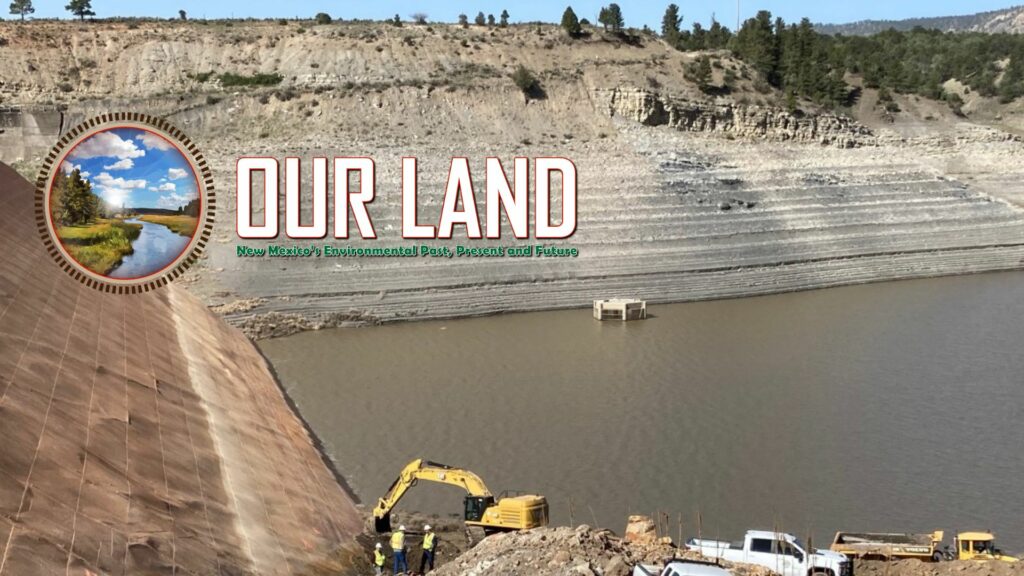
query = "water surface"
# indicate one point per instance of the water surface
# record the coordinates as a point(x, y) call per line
point(155, 248)
point(884, 407)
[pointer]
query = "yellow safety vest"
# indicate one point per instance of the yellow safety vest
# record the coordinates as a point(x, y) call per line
point(378, 558)
point(398, 541)
point(428, 541)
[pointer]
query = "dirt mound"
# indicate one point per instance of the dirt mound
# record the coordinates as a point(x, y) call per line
point(918, 568)
point(564, 550)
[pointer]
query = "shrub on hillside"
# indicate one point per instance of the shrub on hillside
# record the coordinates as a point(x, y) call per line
point(526, 81)
point(230, 79)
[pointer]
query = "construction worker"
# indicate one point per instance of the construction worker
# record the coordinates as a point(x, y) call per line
point(398, 547)
point(378, 559)
point(429, 546)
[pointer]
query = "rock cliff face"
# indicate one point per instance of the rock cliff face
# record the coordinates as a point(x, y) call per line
point(760, 122)
point(142, 435)
point(738, 199)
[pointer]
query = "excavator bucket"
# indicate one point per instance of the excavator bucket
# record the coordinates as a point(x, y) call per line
point(382, 525)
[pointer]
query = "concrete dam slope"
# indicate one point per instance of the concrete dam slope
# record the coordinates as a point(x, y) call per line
point(143, 435)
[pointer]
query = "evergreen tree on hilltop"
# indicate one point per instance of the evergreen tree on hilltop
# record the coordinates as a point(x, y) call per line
point(670, 24)
point(22, 7)
point(80, 8)
point(755, 44)
point(570, 23)
point(611, 17)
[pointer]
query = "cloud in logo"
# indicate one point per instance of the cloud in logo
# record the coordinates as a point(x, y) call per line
point(125, 164)
point(176, 173)
point(116, 191)
point(154, 142)
point(106, 145)
point(68, 168)
point(173, 201)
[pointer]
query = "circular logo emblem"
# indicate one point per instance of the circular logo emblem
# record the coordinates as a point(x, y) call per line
point(125, 202)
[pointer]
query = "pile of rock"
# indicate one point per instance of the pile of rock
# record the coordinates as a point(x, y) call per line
point(578, 551)
point(918, 568)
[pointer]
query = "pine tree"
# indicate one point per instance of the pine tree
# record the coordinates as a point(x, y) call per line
point(480, 19)
point(504, 19)
point(570, 23)
point(1011, 86)
point(670, 24)
point(698, 38)
point(490, 19)
point(755, 44)
point(699, 72)
point(77, 204)
point(463, 20)
point(718, 36)
point(611, 17)
point(22, 7)
point(80, 8)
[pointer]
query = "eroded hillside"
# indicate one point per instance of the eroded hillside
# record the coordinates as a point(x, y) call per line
point(683, 193)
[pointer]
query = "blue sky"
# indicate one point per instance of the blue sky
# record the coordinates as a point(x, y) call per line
point(636, 13)
point(134, 168)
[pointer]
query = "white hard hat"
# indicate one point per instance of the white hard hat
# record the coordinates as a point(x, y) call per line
point(401, 528)
point(427, 527)
point(378, 545)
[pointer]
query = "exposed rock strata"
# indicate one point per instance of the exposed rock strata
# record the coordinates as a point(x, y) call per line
point(652, 109)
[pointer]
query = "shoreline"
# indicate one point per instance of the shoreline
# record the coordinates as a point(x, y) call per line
point(266, 317)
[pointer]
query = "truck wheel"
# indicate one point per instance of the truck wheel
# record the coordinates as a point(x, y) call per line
point(937, 557)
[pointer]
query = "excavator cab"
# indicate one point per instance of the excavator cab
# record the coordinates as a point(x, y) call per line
point(476, 506)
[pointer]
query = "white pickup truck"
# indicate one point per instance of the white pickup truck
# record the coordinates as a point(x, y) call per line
point(681, 568)
point(779, 552)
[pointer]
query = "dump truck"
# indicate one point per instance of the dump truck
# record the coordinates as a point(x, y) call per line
point(676, 567)
point(977, 546)
point(481, 508)
point(779, 552)
point(889, 546)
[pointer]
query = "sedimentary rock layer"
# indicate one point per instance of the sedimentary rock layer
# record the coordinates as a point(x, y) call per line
point(140, 434)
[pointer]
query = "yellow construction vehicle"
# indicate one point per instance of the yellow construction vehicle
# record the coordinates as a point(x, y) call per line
point(978, 546)
point(505, 513)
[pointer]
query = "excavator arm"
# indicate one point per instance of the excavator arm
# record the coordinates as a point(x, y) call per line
point(424, 470)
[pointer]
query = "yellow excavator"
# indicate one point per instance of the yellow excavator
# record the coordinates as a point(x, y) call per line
point(506, 513)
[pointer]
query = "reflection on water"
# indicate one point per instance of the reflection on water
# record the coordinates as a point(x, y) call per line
point(155, 248)
point(885, 407)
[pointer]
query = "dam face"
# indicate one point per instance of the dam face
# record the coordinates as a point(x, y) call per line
point(142, 434)
point(26, 133)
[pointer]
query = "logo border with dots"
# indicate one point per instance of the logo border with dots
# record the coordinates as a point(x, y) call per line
point(206, 191)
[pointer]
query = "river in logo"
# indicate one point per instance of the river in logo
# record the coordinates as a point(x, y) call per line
point(126, 201)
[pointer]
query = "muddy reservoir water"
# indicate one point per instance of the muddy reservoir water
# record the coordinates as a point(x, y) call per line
point(888, 407)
